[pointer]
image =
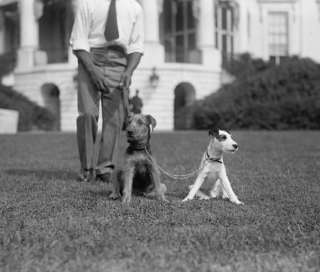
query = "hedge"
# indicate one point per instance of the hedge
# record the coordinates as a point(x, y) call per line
point(244, 65)
point(31, 116)
point(275, 97)
point(7, 63)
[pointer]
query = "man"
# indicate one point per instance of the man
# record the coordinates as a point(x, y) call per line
point(107, 39)
point(136, 103)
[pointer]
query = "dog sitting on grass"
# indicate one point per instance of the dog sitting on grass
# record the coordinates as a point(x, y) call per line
point(140, 174)
point(212, 167)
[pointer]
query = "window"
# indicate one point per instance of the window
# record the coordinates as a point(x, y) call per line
point(54, 30)
point(180, 32)
point(11, 26)
point(225, 28)
point(278, 35)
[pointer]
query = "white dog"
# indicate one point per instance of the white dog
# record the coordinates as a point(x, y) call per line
point(212, 167)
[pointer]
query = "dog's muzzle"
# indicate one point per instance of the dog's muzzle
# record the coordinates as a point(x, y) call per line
point(130, 134)
point(235, 148)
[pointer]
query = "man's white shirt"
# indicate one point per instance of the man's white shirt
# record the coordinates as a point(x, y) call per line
point(90, 20)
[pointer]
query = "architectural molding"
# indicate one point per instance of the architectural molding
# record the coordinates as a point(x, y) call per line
point(38, 9)
point(196, 9)
point(292, 3)
point(1, 20)
point(160, 6)
point(277, 1)
point(318, 4)
point(294, 12)
point(7, 2)
point(260, 13)
point(234, 5)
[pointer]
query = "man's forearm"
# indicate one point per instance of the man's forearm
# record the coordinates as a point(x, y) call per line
point(133, 61)
point(85, 59)
point(97, 77)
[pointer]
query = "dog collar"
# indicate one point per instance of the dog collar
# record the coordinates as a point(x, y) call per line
point(210, 159)
point(140, 146)
point(134, 146)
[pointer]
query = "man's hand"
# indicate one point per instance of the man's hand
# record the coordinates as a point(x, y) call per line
point(96, 75)
point(98, 80)
point(133, 61)
point(125, 80)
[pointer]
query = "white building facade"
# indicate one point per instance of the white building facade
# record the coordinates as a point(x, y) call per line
point(187, 42)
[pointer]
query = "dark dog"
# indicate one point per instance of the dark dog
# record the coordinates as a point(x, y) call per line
point(140, 174)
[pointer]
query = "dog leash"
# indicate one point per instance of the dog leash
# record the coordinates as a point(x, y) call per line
point(176, 176)
point(126, 106)
point(125, 96)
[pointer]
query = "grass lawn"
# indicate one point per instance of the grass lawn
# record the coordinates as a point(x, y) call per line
point(49, 222)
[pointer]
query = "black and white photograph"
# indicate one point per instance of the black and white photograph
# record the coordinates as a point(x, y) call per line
point(159, 135)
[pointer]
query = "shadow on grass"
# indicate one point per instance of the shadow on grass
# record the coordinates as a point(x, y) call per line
point(43, 173)
point(96, 193)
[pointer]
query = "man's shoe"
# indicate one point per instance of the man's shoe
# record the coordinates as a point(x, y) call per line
point(105, 178)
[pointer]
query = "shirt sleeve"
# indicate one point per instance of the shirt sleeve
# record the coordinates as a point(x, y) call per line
point(136, 42)
point(81, 27)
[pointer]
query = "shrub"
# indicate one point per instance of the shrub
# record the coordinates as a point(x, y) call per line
point(244, 65)
point(277, 97)
point(7, 63)
point(31, 116)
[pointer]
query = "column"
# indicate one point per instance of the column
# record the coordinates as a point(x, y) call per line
point(154, 51)
point(2, 37)
point(210, 55)
point(29, 35)
point(241, 43)
point(151, 19)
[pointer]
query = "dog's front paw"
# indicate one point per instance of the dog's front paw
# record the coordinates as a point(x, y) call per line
point(186, 199)
point(214, 195)
point(237, 202)
point(204, 197)
point(126, 199)
point(114, 196)
point(164, 199)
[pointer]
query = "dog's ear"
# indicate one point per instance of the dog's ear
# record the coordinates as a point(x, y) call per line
point(214, 132)
point(151, 121)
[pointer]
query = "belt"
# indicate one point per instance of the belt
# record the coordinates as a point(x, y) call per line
point(117, 48)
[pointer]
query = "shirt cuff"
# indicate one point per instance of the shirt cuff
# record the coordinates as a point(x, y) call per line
point(135, 49)
point(80, 45)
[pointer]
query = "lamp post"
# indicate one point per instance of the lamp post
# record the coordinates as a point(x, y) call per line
point(154, 78)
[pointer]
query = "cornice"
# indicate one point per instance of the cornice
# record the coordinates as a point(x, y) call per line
point(279, 1)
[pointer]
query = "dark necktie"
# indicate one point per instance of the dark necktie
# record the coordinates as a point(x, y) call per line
point(111, 32)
